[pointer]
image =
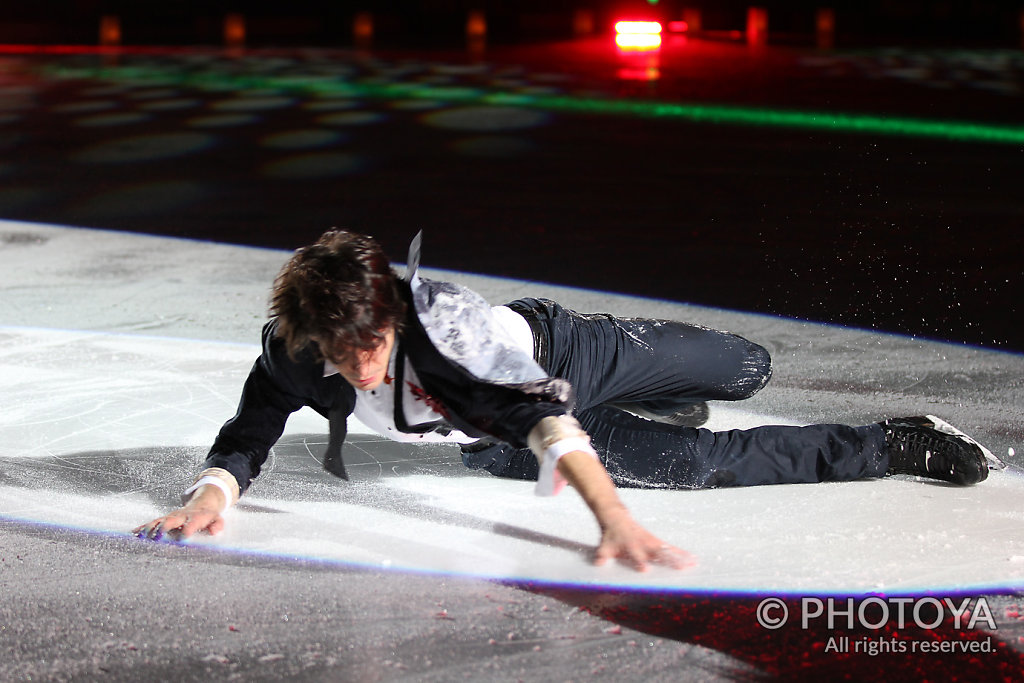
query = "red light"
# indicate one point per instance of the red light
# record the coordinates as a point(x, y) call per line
point(638, 27)
point(678, 26)
point(638, 41)
point(110, 30)
point(234, 30)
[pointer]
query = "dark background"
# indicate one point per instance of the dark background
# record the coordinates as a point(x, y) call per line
point(904, 234)
point(422, 22)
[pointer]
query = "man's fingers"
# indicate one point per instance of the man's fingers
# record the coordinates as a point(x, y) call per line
point(180, 525)
point(210, 522)
point(603, 553)
point(192, 524)
point(154, 530)
point(631, 554)
point(673, 557)
point(168, 525)
point(640, 556)
point(216, 526)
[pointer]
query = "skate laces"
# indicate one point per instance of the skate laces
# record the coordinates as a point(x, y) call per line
point(927, 452)
point(918, 448)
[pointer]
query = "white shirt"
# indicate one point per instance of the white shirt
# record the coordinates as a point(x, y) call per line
point(376, 408)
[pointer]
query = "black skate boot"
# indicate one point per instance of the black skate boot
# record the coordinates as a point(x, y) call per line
point(685, 415)
point(928, 447)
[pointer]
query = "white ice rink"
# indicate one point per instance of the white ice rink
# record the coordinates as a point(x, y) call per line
point(121, 355)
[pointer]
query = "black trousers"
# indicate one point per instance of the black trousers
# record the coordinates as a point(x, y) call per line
point(663, 364)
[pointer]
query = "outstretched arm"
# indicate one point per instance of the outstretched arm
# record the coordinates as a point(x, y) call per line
point(276, 387)
point(621, 536)
point(565, 455)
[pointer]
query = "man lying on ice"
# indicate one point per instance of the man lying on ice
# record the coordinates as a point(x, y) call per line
point(530, 390)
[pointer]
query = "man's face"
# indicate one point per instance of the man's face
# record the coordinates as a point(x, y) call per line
point(366, 370)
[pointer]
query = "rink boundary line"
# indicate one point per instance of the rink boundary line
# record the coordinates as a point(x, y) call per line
point(526, 583)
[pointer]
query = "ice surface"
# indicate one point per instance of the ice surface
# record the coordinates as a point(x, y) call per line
point(102, 429)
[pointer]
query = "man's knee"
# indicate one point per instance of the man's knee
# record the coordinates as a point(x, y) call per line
point(755, 371)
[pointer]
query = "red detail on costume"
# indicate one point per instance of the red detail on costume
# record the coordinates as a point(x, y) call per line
point(388, 379)
point(431, 402)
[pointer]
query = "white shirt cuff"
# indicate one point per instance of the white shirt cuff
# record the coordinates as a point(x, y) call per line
point(550, 481)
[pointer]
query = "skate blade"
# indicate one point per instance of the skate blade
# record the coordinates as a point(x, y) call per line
point(994, 463)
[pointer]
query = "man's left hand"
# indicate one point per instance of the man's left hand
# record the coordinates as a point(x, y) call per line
point(629, 542)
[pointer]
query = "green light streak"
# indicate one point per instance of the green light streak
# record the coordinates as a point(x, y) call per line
point(962, 131)
point(837, 122)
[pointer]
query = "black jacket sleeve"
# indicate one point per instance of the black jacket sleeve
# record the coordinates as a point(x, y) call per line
point(277, 386)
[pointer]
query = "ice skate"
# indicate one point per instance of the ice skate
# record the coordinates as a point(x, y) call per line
point(926, 446)
point(688, 415)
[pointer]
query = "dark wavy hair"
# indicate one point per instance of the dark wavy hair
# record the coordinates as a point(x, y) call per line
point(340, 294)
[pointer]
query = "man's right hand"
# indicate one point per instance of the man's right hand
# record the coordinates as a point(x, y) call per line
point(202, 513)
